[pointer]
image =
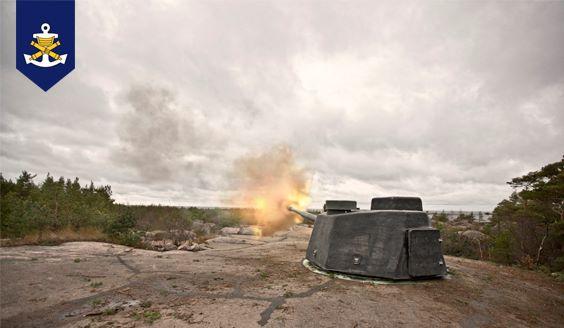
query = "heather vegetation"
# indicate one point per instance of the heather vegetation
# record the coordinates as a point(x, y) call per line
point(526, 229)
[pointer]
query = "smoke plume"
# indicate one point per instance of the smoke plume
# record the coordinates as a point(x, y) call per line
point(269, 182)
point(156, 136)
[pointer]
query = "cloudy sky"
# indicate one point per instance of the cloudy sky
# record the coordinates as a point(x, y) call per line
point(445, 100)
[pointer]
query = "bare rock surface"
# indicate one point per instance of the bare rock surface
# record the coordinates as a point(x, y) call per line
point(260, 282)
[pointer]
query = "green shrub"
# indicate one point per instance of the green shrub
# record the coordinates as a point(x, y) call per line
point(121, 229)
point(502, 248)
point(558, 264)
point(151, 316)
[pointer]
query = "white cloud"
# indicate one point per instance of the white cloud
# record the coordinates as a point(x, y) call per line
point(445, 100)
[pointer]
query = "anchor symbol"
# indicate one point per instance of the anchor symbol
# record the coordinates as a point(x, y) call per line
point(45, 44)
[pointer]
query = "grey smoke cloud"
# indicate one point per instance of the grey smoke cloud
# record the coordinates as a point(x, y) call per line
point(153, 136)
point(446, 100)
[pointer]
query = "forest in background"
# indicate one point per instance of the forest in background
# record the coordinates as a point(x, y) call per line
point(526, 229)
point(59, 210)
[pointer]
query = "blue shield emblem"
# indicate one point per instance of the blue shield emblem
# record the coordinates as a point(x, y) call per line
point(45, 40)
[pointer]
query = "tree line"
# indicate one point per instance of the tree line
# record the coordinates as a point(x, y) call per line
point(26, 207)
point(59, 205)
point(526, 229)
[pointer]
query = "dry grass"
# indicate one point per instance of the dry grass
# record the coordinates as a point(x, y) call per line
point(57, 237)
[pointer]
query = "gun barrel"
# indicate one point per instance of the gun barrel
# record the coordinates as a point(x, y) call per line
point(306, 215)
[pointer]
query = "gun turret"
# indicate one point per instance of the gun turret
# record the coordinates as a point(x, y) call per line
point(306, 215)
point(331, 207)
point(392, 240)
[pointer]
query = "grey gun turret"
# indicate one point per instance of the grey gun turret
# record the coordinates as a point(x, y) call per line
point(331, 207)
point(308, 217)
point(392, 240)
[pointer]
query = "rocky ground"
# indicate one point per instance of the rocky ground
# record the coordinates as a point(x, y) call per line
point(246, 281)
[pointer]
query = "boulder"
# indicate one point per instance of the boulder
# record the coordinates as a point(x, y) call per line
point(192, 247)
point(230, 231)
point(181, 236)
point(204, 228)
point(196, 248)
point(169, 246)
point(178, 236)
point(250, 230)
point(162, 245)
point(184, 246)
point(474, 235)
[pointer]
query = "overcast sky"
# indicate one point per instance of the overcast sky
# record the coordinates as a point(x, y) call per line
point(442, 100)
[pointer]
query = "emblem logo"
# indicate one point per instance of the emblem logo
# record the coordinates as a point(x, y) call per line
point(45, 44)
point(45, 40)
